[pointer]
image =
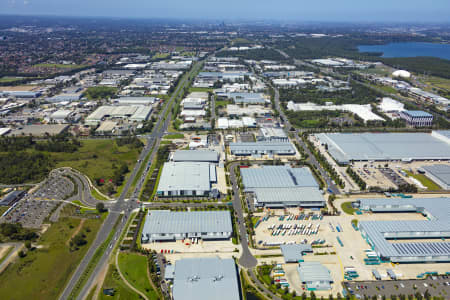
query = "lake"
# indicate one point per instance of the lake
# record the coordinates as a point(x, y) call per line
point(409, 49)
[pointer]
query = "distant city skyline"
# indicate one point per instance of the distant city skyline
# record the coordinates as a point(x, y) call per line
point(285, 10)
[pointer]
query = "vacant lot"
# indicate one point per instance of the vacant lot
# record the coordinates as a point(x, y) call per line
point(43, 273)
point(134, 268)
point(98, 159)
point(121, 290)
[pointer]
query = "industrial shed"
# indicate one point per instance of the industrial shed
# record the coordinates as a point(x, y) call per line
point(196, 155)
point(293, 253)
point(209, 278)
point(164, 225)
point(439, 174)
point(346, 147)
point(315, 275)
point(262, 148)
point(186, 179)
point(379, 233)
point(282, 186)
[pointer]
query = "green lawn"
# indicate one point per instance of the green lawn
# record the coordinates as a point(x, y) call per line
point(427, 182)
point(174, 136)
point(97, 195)
point(347, 208)
point(200, 89)
point(3, 209)
point(46, 271)
point(222, 103)
point(134, 269)
point(60, 66)
point(160, 55)
point(114, 281)
point(97, 158)
point(10, 79)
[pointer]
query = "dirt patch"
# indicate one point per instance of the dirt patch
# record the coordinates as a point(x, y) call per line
point(77, 230)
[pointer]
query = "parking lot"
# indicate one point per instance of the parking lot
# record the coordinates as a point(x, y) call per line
point(30, 213)
point(55, 187)
point(292, 227)
point(435, 285)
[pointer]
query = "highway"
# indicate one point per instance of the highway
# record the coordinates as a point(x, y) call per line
point(123, 205)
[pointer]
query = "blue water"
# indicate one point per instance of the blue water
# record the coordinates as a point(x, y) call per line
point(411, 49)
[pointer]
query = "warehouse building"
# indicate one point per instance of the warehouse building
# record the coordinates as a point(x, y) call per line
point(187, 178)
point(257, 149)
point(165, 225)
point(293, 253)
point(379, 234)
point(196, 155)
point(346, 147)
point(315, 276)
point(209, 278)
point(439, 174)
point(137, 113)
point(282, 186)
point(272, 134)
point(417, 118)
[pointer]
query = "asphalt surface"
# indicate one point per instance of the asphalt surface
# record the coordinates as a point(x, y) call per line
point(247, 260)
point(122, 204)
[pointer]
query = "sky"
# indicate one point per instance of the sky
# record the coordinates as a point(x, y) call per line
point(283, 10)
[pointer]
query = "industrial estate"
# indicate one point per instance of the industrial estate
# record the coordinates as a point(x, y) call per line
point(228, 162)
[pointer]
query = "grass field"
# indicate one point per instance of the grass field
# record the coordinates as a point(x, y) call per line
point(59, 66)
point(200, 89)
point(134, 268)
point(347, 208)
point(430, 184)
point(47, 270)
point(174, 136)
point(160, 55)
point(97, 158)
point(114, 281)
point(10, 79)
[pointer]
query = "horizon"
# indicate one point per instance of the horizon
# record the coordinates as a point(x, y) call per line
point(289, 11)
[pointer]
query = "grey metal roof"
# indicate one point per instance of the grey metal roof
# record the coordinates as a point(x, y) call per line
point(206, 278)
point(417, 113)
point(294, 252)
point(262, 147)
point(196, 155)
point(301, 196)
point(441, 172)
point(188, 176)
point(384, 146)
point(314, 271)
point(169, 222)
point(438, 226)
point(277, 176)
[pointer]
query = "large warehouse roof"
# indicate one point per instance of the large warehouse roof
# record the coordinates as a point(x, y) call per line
point(307, 196)
point(185, 176)
point(436, 209)
point(439, 172)
point(282, 185)
point(384, 146)
point(205, 278)
point(169, 222)
point(196, 155)
point(277, 176)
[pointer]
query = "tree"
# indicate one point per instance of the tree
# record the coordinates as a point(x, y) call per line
point(22, 254)
point(100, 207)
point(28, 245)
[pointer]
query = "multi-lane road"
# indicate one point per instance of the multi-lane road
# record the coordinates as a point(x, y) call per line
point(123, 205)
